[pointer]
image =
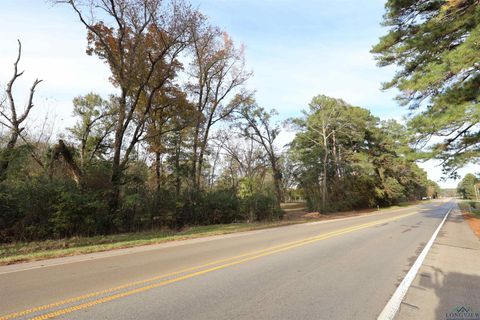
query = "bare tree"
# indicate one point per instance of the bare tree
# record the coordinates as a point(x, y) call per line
point(259, 128)
point(249, 157)
point(218, 71)
point(12, 117)
point(289, 175)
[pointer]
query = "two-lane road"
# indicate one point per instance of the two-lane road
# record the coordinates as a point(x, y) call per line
point(340, 269)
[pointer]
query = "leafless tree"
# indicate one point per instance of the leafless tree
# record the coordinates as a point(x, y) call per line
point(259, 127)
point(12, 117)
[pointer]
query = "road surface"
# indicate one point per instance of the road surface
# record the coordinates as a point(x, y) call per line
point(339, 269)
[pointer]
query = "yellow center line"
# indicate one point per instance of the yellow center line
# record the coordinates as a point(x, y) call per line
point(131, 284)
point(253, 255)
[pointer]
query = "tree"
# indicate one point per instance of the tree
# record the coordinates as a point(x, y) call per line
point(259, 127)
point(93, 129)
point(433, 190)
point(140, 41)
point(289, 171)
point(12, 117)
point(363, 159)
point(244, 157)
point(323, 126)
point(243, 168)
point(467, 188)
point(217, 75)
point(173, 114)
point(435, 45)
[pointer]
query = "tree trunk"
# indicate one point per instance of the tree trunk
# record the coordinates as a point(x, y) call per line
point(177, 165)
point(117, 171)
point(195, 188)
point(158, 170)
point(335, 157)
point(72, 165)
point(325, 160)
point(198, 175)
point(277, 181)
point(195, 158)
point(203, 148)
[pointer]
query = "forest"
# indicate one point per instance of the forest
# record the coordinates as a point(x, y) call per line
point(183, 142)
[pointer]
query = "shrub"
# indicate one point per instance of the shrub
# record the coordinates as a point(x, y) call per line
point(220, 206)
point(260, 207)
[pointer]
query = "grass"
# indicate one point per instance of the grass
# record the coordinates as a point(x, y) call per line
point(471, 213)
point(472, 207)
point(39, 250)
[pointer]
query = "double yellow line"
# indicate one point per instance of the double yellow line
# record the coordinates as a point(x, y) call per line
point(211, 266)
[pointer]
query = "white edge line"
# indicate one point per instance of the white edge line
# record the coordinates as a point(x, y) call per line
point(392, 306)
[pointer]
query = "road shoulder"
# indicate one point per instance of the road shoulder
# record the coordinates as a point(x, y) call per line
point(447, 285)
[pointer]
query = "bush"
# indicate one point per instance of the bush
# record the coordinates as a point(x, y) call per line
point(41, 205)
point(221, 206)
point(224, 206)
point(41, 208)
point(260, 207)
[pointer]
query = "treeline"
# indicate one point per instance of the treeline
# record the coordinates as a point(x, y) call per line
point(153, 154)
point(182, 142)
point(345, 158)
point(468, 188)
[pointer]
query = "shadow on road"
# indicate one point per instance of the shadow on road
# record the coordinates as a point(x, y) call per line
point(458, 294)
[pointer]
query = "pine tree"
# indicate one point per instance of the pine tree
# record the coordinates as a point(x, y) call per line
point(436, 46)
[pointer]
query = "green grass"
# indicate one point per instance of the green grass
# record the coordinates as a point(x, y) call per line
point(39, 250)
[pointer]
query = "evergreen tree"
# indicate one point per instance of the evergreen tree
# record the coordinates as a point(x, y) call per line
point(347, 158)
point(435, 44)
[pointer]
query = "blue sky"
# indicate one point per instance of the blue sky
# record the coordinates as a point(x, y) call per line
point(296, 49)
point(299, 49)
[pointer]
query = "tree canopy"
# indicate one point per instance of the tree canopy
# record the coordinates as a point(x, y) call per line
point(350, 159)
point(435, 45)
point(468, 187)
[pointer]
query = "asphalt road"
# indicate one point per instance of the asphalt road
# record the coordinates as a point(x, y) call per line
point(340, 269)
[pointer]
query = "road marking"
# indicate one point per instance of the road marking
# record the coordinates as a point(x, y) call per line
point(392, 306)
point(163, 283)
point(131, 284)
point(253, 255)
point(38, 264)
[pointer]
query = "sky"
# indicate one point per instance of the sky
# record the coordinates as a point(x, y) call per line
point(296, 50)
